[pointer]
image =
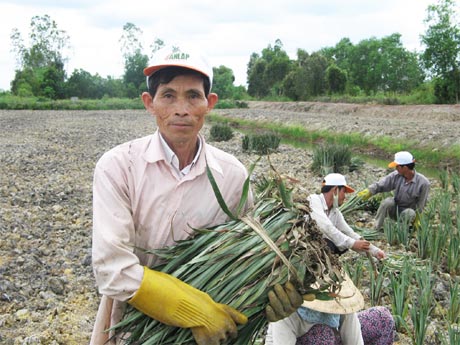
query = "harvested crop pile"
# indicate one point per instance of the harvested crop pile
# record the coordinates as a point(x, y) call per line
point(238, 262)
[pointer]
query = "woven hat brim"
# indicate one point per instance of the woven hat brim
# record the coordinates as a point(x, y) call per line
point(349, 300)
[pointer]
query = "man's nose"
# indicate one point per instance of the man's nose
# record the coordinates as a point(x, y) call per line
point(181, 107)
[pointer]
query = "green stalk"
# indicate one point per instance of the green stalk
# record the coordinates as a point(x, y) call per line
point(237, 263)
point(376, 283)
point(400, 288)
point(421, 305)
point(453, 254)
point(453, 313)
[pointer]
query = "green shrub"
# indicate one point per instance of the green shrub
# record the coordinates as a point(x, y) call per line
point(391, 101)
point(230, 104)
point(261, 143)
point(42, 103)
point(241, 105)
point(333, 158)
point(221, 132)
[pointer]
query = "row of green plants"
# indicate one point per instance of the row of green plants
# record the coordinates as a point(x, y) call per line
point(406, 282)
point(10, 102)
point(431, 256)
point(13, 102)
point(259, 143)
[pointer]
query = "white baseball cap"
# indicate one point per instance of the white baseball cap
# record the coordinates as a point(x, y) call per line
point(180, 56)
point(402, 158)
point(337, 180)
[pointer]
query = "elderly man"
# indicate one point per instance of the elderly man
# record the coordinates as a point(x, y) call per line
point(150, 192)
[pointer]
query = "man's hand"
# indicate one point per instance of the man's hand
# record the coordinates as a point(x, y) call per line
point(380, 254)
point(364, 195)
point(283, 302)
point(173, 302)
point(224, 326)
point(361, 245)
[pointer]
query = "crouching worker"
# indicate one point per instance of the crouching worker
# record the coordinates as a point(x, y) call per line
point(410, 189)
point(340, 237)
point(333, 322)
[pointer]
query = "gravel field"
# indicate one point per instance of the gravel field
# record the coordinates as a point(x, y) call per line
point(47, 290)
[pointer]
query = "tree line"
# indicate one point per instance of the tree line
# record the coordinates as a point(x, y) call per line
point(372, 66)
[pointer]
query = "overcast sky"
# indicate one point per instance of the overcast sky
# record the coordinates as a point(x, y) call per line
point(230, 31)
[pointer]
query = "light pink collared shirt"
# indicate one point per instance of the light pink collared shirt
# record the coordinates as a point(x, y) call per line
point(139, 202)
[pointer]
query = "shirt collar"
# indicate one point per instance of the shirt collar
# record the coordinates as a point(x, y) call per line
point(324, 203)
point(154, 152)
point(171, 157)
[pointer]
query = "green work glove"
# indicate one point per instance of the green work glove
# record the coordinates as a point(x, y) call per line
point(283, 302)
point(364, 194)
point(175, 303)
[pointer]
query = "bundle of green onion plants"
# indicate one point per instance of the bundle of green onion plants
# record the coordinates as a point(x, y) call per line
point(238, 262)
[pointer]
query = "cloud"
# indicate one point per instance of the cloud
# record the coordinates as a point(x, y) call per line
point(229, 30)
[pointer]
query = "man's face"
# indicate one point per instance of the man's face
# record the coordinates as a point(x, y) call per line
point(341, 196)
point(180, 107)
point(400, 169)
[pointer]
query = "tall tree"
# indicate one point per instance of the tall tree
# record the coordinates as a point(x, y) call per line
point(130, 40)
point(442, 53)
point(336, 79)
point(257, 85)
point(43, 56)
point(222, 83)
point(83, 85)
point(135, 60)
point(401, 71)
point(46, 43)
point(52, 84)
point(307, 78)
point(315, 68)
point(266, 72)
point(375, 65)
point(158, 43)
point(133, 77)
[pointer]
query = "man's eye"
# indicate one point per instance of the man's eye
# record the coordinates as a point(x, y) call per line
point(194, 96)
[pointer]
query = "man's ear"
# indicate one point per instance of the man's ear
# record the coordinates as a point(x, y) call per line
point(147, 99)
point(212, 100)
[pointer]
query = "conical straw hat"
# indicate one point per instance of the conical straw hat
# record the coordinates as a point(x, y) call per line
point(349, 300)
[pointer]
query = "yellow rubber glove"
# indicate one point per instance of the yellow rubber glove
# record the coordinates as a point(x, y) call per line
point(175, 303)
point(417, 223)
point(365, 194)
point(283, 302)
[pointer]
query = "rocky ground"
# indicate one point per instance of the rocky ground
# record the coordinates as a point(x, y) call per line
point(47, 290)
